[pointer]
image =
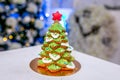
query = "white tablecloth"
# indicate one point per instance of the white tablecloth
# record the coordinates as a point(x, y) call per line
point(14, 65)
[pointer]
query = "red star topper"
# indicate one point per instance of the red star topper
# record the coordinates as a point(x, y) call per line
point(56, 16)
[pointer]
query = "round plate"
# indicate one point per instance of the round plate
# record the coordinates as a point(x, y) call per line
point(44, 71)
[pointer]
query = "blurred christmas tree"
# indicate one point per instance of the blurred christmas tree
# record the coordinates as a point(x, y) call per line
point(22, 23)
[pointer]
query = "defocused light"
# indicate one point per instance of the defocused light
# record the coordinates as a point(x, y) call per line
point(27, 44)
point(21, 35)
point(22, 29)
point(3, 17)
point(5, 39)
point(32, 20)
point(7, 7)
point(47, 15)
point(41, 18)
point(10, 37)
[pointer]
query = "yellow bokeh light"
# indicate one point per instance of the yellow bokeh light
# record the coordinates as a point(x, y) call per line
point(22, 29)
point(10, 37)
point(32, 20)
point(5, 39)
point(27, 44)
point(21, 35)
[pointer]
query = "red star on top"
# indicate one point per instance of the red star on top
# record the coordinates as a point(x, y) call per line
point(57, 16)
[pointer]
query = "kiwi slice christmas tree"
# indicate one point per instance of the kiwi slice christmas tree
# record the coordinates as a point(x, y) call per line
point(55, 54)
point(56, 51)
point(55, 58)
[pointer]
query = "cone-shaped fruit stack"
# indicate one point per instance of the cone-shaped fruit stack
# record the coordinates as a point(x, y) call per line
point(55, 54)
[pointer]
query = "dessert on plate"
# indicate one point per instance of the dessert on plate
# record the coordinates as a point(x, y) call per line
point(56, 51)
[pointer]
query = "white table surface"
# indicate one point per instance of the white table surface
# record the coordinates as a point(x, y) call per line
point(14, 65)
